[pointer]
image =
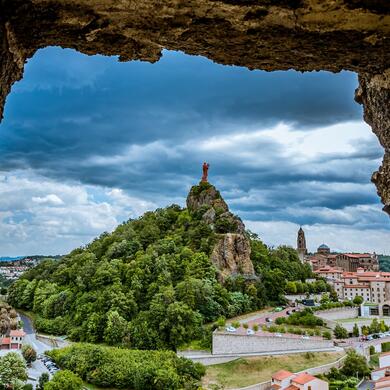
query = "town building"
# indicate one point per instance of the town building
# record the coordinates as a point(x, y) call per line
point(286, 380)
point(301, 244)
point(323, 257)
point(373, 287)
point(381, 376)
point(14, 340)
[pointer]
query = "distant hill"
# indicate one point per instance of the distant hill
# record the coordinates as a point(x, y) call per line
point(384, 263)
point(6, 258)
point(34, 257)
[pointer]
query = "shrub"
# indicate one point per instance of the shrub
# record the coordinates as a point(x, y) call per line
point(221, 322)
point(64, 380)
point(236, 324)
point(340, 332)
point(255, 327)
point(29, 354)
point(123, 368)
point(327, 335)
point(245, 326)
point(372, 350)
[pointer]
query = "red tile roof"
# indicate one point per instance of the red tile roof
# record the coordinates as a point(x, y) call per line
point(381, 369)
point(17, 333)
point(281, 375)
point(303, 378)
point(292, 387)
point(6, 340)
point(383, 383)
point(357, 255)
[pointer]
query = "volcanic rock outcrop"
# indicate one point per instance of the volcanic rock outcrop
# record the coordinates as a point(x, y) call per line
point(231, 254)
point(271, 35)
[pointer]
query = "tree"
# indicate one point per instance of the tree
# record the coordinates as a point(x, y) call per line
point(355, 331)
point(374, 326)
point(291, 288)
point(355, 364)
point(333, 295)
point(327, 335)
point(12, 367)
point(383, 327)
point(29, 353)
point(325, 298)
point(358, 300)
point(42, 380)
point(340, 332)
point(116, 328)
point(64, 380)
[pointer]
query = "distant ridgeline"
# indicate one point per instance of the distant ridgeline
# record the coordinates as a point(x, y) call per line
point(384, 263)
point(7, 259)
point(154, 281)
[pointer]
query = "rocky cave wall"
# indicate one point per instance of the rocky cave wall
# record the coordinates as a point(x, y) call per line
point(304, 35)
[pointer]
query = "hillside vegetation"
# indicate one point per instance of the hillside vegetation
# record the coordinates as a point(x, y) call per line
point(150, 284)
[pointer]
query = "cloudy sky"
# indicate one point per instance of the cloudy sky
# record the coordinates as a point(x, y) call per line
point(88, 142)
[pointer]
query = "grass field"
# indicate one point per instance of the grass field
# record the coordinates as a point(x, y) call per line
point(248, 371)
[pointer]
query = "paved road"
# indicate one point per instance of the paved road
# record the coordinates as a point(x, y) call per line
point(208, 359)
point(27, 324)
point(367, 385)
point(260, 320)
point(37, 367)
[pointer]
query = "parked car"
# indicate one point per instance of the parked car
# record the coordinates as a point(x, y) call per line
point(278, 309)
point(250, 332)
point(305, 337)
point(268, 319)
point(278, 335)
point(230, 329)
point(288, 312)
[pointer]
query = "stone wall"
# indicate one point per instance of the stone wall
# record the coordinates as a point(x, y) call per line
point(225, 344)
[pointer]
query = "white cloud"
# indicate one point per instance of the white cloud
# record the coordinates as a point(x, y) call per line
point(66, 217)
point(51, 199)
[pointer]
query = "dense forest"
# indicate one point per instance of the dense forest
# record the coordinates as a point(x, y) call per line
point(150, 284)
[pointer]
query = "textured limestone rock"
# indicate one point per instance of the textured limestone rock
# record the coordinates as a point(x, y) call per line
point(260, 34)
point(205, 195)
point(374, 94)
point(231, 254)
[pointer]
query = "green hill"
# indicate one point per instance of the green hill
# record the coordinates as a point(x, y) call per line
point(154, 281)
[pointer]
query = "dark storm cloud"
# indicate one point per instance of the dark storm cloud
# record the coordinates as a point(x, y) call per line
point(142, 127)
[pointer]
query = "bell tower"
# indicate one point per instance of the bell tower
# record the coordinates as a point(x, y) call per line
point(301, 244)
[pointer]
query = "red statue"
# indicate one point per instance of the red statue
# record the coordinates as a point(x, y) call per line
point(205, 171)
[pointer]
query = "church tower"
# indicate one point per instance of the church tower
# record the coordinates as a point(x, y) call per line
point(301, 244)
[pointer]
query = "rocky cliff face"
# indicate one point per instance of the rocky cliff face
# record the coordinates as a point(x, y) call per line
point(304, 35)
point(231, 254)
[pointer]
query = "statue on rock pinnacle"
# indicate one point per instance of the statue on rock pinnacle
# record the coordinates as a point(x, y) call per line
point(205, 172)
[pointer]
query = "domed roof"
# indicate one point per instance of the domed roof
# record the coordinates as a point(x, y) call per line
point(323, 246)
